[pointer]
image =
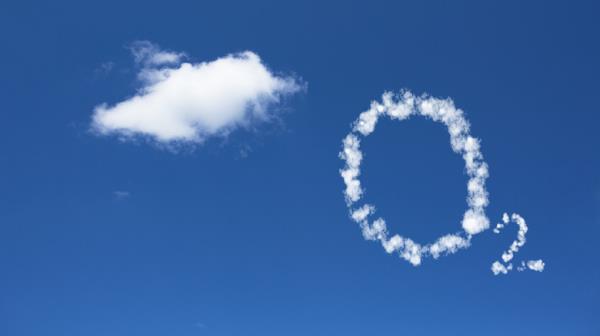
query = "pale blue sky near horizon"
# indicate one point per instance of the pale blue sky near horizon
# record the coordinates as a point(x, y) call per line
point(249, 234)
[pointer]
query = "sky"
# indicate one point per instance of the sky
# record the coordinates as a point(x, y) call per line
point(173, 169)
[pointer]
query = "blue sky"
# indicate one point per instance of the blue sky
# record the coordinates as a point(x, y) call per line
point(248, 233)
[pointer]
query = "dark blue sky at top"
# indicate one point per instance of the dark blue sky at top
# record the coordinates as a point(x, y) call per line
point(249, 235)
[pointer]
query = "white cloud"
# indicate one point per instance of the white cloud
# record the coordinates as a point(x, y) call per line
point(506, 264)
point(190, 102)
point(474, 221)
point(536, 265)
point(448, 244)
point(401, 107)
point(147, 53)
point(498, 268)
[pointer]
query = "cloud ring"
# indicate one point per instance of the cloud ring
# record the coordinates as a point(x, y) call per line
point(401, 107)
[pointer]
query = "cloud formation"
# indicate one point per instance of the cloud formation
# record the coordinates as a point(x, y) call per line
point(506, 265)
point(401, 107)
point(190, 102)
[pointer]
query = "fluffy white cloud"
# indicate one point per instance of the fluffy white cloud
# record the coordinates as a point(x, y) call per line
point(506, 265)
point(536, 265)
point(189, 102)
point(401, 107)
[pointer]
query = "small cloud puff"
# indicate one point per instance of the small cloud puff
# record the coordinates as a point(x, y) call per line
point(121, 194)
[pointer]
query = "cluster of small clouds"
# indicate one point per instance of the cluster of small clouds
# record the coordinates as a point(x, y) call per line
point(506, 265)
point(184, 102)
point(401, 107)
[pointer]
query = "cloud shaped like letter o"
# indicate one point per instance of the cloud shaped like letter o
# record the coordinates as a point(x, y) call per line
point(401, 107)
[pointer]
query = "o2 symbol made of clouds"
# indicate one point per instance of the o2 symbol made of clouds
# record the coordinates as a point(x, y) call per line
point(400, 107)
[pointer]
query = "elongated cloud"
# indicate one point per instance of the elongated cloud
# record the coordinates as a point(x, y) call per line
point(506, 265)
point(190, 102)
point(147, 53)
point(401, 107)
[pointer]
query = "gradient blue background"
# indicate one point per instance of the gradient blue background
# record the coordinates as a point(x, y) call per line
point(214, 242)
